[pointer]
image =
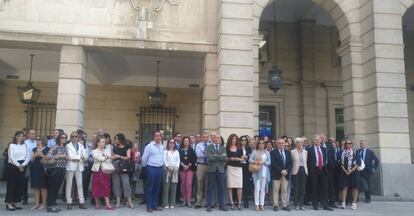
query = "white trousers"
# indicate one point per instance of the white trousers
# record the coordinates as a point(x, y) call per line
point(259, 191)
point(69, 181)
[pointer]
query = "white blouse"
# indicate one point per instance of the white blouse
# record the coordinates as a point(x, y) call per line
point(172, 158)
point(18, 152)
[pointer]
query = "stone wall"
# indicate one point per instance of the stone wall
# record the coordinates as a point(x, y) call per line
point(409, 71)
point(190, 21)
point(112, 108)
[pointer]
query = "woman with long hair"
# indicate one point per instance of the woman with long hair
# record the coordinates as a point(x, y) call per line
point(19, 157)
point(234, 169)
point(187, 166)
point(247, 183)
point(260, 157)
point(172, 164)
point(38, 176)
point(56, 172)
point(119, 178)
point(349, 177)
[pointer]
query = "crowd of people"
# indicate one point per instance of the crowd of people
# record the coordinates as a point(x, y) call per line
point(201, 170)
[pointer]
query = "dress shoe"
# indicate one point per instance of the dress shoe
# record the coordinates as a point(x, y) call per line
point(327, 208)
point(149, 210)
point(69, 206)
point(286, 208)
point(82, 206)
point(223, 209)
point(158, 209)
point(275, 208)
point(197, 206)
point(333, 205)
point(10, 208)
point(302, 208)
point(208, 209)
point(53, 210)
point(315, 207)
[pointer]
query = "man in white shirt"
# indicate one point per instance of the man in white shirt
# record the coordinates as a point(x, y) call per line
point(201, 169)
point(76, 153)
point(30, 144)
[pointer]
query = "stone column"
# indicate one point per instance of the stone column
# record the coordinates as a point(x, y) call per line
point(209, 118)
point(385, 97)
point(71, 89)
point(307, 43)
point(235, 68)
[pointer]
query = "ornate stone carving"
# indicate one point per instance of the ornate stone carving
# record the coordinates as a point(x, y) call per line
point(148, 9)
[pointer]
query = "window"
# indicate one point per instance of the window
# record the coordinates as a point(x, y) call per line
point(267, 121)
point(339, 123)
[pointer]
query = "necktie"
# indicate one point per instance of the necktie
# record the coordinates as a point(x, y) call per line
point(216, 148)
point(320, 158)
point(283, 157)
point(205, 147)
point(77, 147)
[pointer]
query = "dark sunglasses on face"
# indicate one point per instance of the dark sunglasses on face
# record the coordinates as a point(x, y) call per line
point(73, 136)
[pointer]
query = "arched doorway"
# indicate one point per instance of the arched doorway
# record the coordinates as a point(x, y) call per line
point(302, 37)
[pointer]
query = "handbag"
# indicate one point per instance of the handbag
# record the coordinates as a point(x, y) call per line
point(107, 167)
point(48, 162)
point(254, 168)
point(126, 166)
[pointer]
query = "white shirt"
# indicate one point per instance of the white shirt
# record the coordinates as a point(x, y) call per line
point(172, 158)
point(30, 144)
point(264, 167)
point(18, 152)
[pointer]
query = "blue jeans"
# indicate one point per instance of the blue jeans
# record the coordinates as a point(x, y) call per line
point(152, 192)
point(215, 179)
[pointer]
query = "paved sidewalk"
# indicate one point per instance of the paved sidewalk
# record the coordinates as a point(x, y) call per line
point(374, 209)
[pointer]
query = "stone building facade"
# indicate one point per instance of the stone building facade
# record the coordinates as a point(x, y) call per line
point(347, 68)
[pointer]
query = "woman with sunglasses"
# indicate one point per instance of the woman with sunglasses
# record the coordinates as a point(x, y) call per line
point(247, 183)
point(56, 172)
point(38, 176)
point(349, 174)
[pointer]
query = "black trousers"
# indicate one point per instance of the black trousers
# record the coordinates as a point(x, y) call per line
point(15, 184)
point(247, 185)
point(319, 183)
point(367, 177)
point(331, 186)
point(53, 184)
point(299, 187)
point(86, 178)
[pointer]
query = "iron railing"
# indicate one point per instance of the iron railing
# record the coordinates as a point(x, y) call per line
point(41, 117)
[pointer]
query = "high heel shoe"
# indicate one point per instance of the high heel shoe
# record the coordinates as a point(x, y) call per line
point(239, 207)
point(131, 206)
point(232, 206)
point(8, 208)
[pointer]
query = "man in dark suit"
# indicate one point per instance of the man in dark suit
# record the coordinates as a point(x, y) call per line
point(332, 165)
point(317, 166)
point(371, 164)
point(216, 161)
point(281, 166)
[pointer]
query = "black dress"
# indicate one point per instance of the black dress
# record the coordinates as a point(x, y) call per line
point(353, 180)
point(38, 176)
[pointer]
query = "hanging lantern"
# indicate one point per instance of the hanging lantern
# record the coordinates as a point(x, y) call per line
point(275, 79)
point(157, 98)
point(28, 94)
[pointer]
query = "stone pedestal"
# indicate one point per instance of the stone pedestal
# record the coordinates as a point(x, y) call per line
point(71, 88)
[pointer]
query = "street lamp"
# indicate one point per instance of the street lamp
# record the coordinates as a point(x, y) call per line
point(28, 94)
point(157, 98)
point(275, 79)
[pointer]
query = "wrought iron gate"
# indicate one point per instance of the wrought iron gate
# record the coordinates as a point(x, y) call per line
point(41, 117)
point(152, 119)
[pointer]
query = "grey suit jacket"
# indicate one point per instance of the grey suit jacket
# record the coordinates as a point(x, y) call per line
point(216, 160)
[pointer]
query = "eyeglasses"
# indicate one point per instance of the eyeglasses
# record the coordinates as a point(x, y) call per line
point(349, 143)
point(73, 136)
point(243, 140)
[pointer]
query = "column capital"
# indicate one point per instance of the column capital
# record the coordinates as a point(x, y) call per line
point(351, 44)
point(73, 54)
